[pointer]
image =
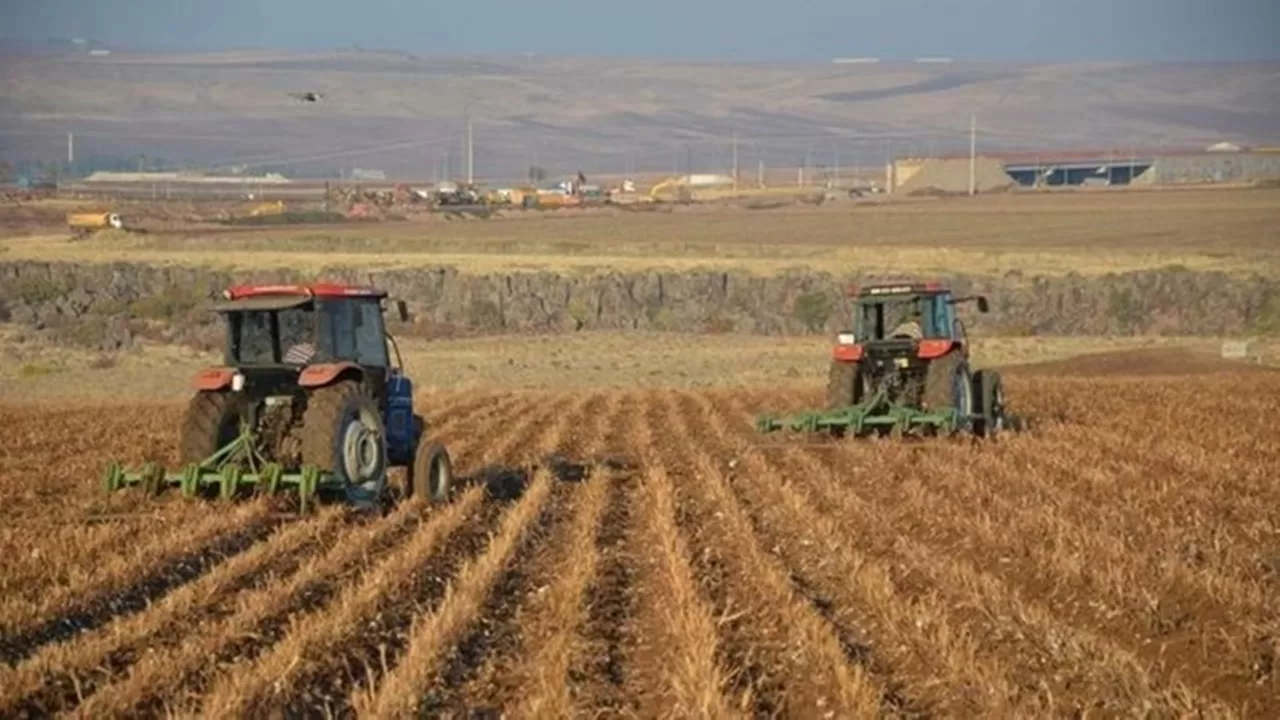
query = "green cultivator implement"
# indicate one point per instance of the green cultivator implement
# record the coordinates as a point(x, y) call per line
point(903, 370)
point(225, 472)
point(866, 419)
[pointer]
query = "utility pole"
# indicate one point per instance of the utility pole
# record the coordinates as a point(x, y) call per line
point(470, 153)
point(735, 162)
point(973, 156)
point(760, 174)
point(71, 149)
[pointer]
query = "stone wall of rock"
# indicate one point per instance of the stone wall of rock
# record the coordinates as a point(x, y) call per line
point(105, 304)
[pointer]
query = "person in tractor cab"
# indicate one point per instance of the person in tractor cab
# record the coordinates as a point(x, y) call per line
point(910, 327)
point(295, 337)
point(300, 354)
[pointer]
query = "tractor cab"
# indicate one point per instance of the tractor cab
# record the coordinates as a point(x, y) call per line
point(302, 335)
point(904, 320)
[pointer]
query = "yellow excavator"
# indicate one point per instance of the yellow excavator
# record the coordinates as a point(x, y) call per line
point(676, 186)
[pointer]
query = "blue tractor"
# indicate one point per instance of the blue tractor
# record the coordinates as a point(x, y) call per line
point(307, 398)
point(904, 368)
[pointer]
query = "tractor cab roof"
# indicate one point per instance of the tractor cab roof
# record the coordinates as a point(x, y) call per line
point(905, 287)
point(283, 297)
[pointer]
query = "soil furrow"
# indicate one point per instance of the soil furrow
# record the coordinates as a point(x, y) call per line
point(494, 632)
point(789, 638)
point(309, 649)
point(678, 665)
point(54, 678)
point(113, 564)
point(261, 617)
point(409, 688)
point(1008, 623)
point(442, 419)
point(532, 678)
point(389, 600)
point(186, 666)
point(97, 610)
point(608, 641)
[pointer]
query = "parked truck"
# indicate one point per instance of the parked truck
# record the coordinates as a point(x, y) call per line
point(84, 223)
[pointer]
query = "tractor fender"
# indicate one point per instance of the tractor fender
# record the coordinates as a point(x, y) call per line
point(846, 353)
point(213, 379)
point(321, 374)
point(934, 348)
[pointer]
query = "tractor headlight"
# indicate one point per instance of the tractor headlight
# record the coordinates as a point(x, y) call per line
point(237, 382)
point(845, 338)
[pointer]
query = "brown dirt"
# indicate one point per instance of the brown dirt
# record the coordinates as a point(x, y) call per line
point(1142, 362)
point(1117, 559)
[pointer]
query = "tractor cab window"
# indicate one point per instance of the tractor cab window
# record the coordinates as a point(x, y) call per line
point(352, 329)
point(907, 316)
point(267, 337)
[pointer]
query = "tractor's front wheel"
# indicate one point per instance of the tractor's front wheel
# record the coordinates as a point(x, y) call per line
point(948, 385)
point(343, 434)
point(210, 423)
point(431, 475)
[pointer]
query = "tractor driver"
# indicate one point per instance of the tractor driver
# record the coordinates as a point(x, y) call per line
point(295, 336)
point(910, 327)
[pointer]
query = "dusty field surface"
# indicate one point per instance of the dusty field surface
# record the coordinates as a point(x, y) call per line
point(37, 370)
point(1051, 233)
point(1122, 558)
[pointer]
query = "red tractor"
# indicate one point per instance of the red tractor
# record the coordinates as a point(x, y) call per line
point(308, 397)
point(904, 366)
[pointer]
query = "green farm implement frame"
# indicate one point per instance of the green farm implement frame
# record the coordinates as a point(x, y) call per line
point(862, 420)
point(225, 471)
point(874, 416)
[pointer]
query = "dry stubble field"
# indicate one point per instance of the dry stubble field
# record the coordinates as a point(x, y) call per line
point(1123, 558)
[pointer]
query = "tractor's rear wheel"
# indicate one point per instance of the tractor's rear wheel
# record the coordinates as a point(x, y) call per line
point(343, 434)
point(431, 475)
point(989, 389)
point(948, 385)
point(842, 385)
point(211, 422)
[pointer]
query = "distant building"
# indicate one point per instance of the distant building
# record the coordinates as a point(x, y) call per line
point(367, 174)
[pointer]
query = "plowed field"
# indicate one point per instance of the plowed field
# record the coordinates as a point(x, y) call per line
point(1122, 558)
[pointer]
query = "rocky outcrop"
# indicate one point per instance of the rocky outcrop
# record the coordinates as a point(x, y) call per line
point(120, 299)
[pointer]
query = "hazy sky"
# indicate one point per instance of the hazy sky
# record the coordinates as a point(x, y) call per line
point(787, 30)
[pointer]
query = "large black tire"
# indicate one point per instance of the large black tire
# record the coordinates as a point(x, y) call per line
point(989, 389)
point(343, 433)
point(211, 421)
point(948, 385)
point(842, 385)
point(431, 475)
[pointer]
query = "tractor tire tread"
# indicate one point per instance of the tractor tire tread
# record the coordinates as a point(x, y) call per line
point(939, 382)
point(424, 457)
point(206, 411)
point(320, 422)
point(842, 382)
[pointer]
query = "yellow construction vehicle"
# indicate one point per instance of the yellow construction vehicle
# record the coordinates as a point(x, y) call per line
point(267, 208)
point(85, 223)
point(677, 186)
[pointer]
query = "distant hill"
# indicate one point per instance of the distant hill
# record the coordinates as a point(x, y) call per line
point(404, 114)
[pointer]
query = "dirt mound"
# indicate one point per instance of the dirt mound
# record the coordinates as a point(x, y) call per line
point(1177, 361)
point(948, 176)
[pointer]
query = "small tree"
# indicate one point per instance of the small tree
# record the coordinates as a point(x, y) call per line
point(537, 174)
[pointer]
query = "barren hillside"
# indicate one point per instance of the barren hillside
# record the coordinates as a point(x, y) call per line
point(404, 114)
